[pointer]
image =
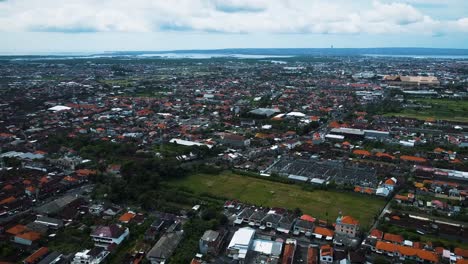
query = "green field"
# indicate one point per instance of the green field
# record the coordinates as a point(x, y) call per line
point(442, 109)
point(317, 203)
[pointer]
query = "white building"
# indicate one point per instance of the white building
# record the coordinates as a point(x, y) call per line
point(93, 256)
point(240, 243)
point(104, 236)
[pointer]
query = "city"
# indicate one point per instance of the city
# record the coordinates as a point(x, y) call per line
point(316, 159)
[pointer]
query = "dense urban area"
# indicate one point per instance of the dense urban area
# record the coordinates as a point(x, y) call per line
point(327, 159)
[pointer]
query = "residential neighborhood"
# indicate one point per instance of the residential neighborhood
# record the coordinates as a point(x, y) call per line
point(328, 159)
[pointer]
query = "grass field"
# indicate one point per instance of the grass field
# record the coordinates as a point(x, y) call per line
point(442, 109)
point(317, 203)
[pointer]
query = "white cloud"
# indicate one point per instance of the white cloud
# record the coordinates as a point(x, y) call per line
point(231, 16)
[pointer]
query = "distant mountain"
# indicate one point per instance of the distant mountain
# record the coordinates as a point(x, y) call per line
point(313, 52)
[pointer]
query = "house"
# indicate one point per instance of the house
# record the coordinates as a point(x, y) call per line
point(285, 224)
point(289, 251)
point(313, 254)
point(396, 239)
point(347, 225)
point(54, 258)
point(103, 236)
point(322, 232)
point(376, 234)
point(27, 238)
point(240, 243)
point(211, 242)
point(164, 248)
point(127, 217)
point(271, 220)
point(268, 248)
point(303, 226)
point(234, 140)
point(93, 256)
point(49, 222)
point(36, 256)
point(244, 215)
point(406, 252)
point(326, 254)
point(256, 218)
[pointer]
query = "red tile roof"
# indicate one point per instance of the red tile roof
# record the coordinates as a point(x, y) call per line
point(461, 252)
point(393, 238)
point(17, 229)
point(324, 231)
point(349, 220)
point(34, 257)
point(412, 158)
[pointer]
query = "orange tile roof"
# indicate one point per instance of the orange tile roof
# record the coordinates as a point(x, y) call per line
point(324, 231)
point(401, 197)
point(8, 200)
point(393, 238)
point(349, 220)
point(326, 250)
point(412, 158)
point(389, 182)
point(288, 254)
point(127, 217)
point(376, 233)
point(312, 255)
point(362, 152)
point(385, 246)
point(17, 229)
point(34, 257)
point(384, 155)
point(31, 236)
point(462, 261)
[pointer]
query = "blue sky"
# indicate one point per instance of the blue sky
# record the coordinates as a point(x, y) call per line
point(32, 26)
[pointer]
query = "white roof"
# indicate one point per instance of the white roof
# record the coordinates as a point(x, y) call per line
point(59, 108)
point(188, 143)
point(262, 246)
point(334, 136)
point(297, 114)
point(242, 237)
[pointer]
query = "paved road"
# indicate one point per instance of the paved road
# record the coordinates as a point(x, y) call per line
point(384, 211)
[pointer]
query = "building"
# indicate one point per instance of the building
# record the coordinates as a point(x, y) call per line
point(165, 247)
point(93, 256)
point(240, 243)
point(36, 256)
point(211, 241)
point(347, 225)
point(304, 225)
point(234, 140)
point(49, 222)
point(411, 80)
point(326, 254)
point(104, 236)
point(313, 254)
point(289, 251)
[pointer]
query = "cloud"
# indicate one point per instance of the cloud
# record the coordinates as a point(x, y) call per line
point(225, 16)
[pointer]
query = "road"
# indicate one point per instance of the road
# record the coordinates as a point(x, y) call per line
point(384, 211)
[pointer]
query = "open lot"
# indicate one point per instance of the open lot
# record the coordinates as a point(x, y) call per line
point(441, 109)
point(317, 203)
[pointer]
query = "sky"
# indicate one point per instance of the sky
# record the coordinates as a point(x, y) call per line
point(36, 26)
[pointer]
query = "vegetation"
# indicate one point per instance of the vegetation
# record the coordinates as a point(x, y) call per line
point(440, 109)
point(319, 203)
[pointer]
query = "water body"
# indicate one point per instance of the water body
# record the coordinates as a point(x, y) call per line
point(460, 57)
point(210, 56)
